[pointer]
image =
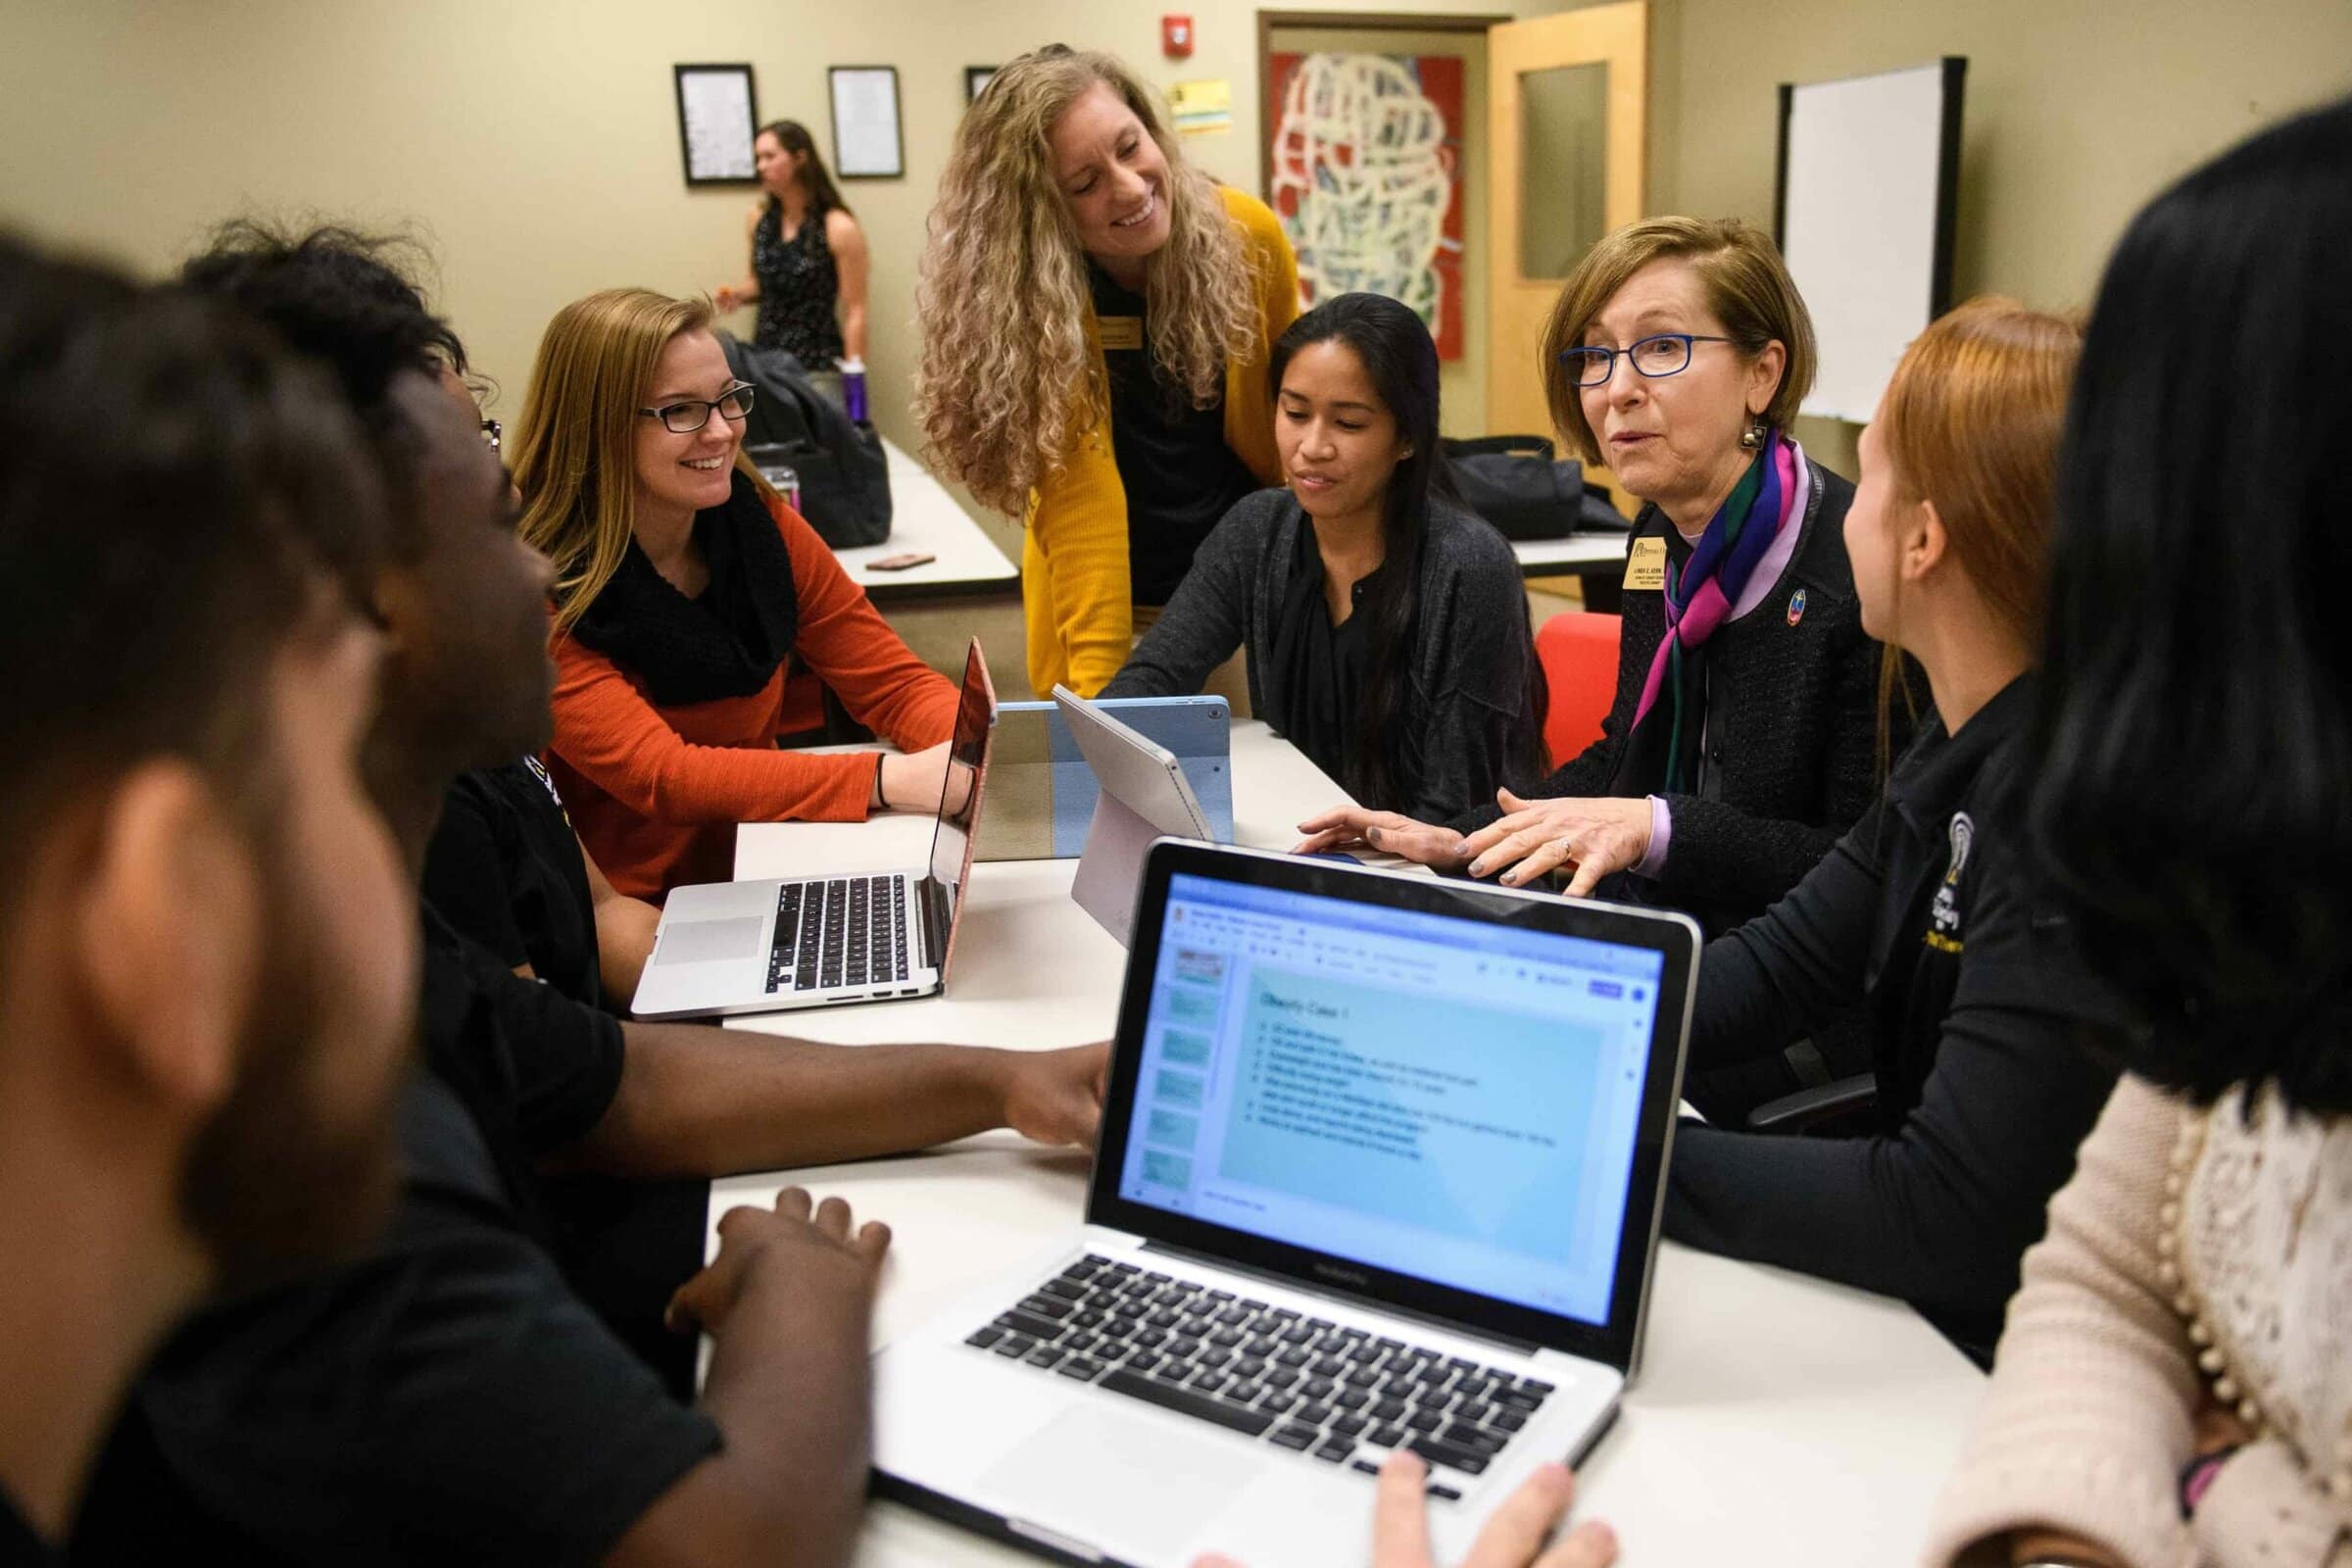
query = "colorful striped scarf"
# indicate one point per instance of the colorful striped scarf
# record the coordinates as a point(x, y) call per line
point(1701, 597)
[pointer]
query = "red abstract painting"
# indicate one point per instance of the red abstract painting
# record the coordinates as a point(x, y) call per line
point(1365, 155)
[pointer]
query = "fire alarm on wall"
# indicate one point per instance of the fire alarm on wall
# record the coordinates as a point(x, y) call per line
point(1176, 36)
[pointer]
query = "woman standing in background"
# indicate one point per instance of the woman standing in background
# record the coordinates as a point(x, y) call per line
point(807, 252)
point(1096, 318)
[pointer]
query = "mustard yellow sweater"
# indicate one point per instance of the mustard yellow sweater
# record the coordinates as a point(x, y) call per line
point(1075, 593)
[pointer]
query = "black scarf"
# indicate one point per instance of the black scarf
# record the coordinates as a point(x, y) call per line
point(726, 643)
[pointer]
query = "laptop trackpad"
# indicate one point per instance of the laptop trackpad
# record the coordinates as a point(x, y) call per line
point(1102, 1474)
point(703, 941)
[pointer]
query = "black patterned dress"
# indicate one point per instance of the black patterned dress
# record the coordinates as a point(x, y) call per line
point(798, 285)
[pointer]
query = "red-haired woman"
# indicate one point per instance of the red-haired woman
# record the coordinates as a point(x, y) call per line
point(1925, 913)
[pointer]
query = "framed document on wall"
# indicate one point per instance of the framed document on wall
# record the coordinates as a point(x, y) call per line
point(866, 139)
point(716, 113)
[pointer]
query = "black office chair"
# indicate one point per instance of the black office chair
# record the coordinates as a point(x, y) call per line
point(1841, 1109)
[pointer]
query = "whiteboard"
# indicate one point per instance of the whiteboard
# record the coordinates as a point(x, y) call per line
point(1869, 176)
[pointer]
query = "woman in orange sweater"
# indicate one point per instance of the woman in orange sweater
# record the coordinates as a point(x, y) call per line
point(685, 588)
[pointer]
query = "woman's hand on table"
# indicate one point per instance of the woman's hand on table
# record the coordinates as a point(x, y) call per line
point(1597, 837)
point(912, 781)
point(1056, 1097)
point(817, 1251)
point(1514, 1536)
point(1349, 827)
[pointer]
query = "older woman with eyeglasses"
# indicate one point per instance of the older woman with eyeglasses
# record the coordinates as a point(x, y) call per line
point(1740, 741)
point(685, 590)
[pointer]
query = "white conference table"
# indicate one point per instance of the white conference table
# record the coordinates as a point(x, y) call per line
point(1577, 555)
point(1777, 1420)
point(926, 518)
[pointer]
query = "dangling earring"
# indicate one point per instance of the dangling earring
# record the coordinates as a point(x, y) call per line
point(1753, 436)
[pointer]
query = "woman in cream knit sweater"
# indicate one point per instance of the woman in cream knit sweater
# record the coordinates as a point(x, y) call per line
point(2175, 1385)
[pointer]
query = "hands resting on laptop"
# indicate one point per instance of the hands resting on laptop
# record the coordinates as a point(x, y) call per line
point(1515, 1534)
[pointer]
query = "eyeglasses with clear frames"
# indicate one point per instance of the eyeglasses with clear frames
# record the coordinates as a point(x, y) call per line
point(1661, 353)
point(689, 414)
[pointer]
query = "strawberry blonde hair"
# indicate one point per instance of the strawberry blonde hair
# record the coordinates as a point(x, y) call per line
point(1972, 422)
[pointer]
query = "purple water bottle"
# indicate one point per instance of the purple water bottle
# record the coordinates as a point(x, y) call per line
point(853, 388)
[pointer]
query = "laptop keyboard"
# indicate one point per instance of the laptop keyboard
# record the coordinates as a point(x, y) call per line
point(1301, 1383)
point(849, 931)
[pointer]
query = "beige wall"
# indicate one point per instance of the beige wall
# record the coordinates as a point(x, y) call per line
point(534, 142)
point(2075, 113)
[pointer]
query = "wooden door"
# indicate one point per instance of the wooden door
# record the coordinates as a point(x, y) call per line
point(1566, 160)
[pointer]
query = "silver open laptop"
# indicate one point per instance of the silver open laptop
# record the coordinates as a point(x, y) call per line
point(1381, 1164)
point(1143, 793)
point(762, 945)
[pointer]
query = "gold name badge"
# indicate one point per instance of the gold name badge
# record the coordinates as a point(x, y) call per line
point(1646, 563)
point(1122, 332)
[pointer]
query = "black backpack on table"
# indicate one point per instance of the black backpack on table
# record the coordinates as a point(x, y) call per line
point(1515, 483)
point(842, 470)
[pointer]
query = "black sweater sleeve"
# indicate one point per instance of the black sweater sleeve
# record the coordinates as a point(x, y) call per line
point(1586, 775)
point(1723, 853)
point(1470, 689)
point(1941, 1211)
point(1768, 982)
point(1207, 617)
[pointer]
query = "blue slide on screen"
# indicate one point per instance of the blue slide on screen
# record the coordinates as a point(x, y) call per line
point(1376, 1101)
point(1426, 1094)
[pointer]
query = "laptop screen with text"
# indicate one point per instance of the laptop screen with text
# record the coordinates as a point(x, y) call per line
point(1440, 1096)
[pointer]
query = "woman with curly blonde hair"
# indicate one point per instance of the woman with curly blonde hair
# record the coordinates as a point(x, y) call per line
point(1097, 316)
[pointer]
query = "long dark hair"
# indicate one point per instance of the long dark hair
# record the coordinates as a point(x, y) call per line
point(794, 138)
point(1395, 349)
point(2194, 724)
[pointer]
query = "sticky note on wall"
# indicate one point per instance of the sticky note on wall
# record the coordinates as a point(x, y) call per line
point(1200, 107)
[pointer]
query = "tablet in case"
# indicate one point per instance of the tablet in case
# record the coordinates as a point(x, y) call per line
point(1041, 793)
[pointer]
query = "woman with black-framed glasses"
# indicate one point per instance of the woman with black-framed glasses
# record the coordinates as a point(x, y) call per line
point(1742, 739)
point(686, 591)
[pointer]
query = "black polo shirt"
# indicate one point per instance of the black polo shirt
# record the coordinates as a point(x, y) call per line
point(449, 1398)
point(19, 1547)
point(1986, 1036)
point(504, 869)
point(1180, 476)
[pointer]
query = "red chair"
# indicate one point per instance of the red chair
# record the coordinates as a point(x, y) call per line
point(1578, 651)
